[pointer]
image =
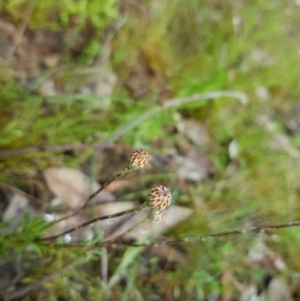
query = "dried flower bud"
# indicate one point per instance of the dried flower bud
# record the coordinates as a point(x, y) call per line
point(157, 215)
point(138, 159)
point(159, 198)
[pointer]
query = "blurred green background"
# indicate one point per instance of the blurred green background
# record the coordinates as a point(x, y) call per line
point(79, 71)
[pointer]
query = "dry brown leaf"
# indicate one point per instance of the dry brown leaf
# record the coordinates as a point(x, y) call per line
point(250, 293)
point(194, 131)
point(104, 79)
point(18, 206)
point(279, 141)
point(18, 51)
point(169, 253)
point(103, 85)
point(110, 208)
point(51, 60)
point(116, 185)
point(131, 222)
point(174, 216)
point(258, 252)
point(261, 253)
point(193, 166)
point(278, 290)
point(48, 88)
point(73, 187)
point(114, 207)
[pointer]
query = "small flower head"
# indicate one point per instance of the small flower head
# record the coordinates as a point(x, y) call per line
point(138, 159)
point(157, 215)
point(159, 198)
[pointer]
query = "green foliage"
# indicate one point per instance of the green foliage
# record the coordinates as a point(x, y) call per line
point(55, 15)
point(22, 235)
point(192, 48)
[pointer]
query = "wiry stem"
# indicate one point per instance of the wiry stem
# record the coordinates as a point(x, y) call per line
point(112, 240)
point(138, 159)
point(158, 200)
point(115, 177)
point(96, 219)
point(156, 244)
point(154, 215)
point(214, 235)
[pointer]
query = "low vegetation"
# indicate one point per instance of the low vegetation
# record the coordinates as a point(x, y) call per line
point(210, 89)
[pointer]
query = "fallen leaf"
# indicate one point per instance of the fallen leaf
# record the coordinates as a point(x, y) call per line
point(103, 84)
point(17, 207)
point(130, 223)
point(48, 88)
point(194, 131)
point(174, 216)
point(73, 187)
point(109, 225)
point(261, 253)
point(250, 293)
point(278, 290)
point(169, 253)
point(279, 141)
point(194, 166)
point(102, 76)
point(51, 60)
point(116, 185)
